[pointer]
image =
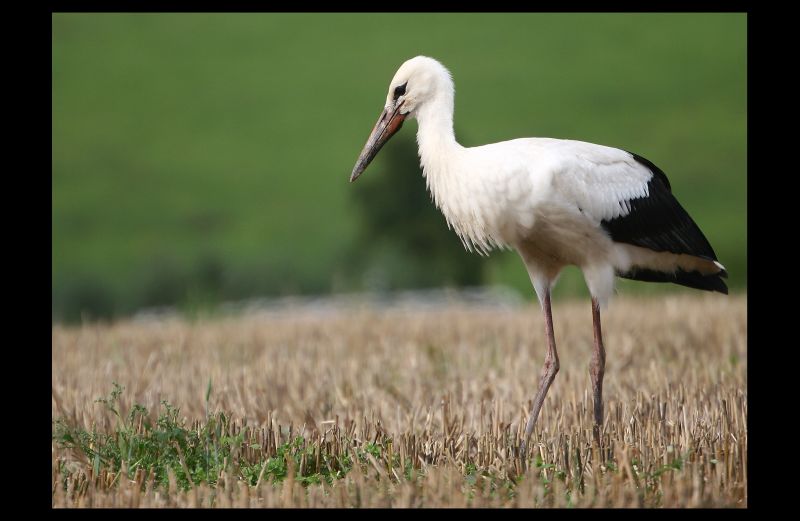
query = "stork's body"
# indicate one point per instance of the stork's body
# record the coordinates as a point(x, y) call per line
point(556, 202)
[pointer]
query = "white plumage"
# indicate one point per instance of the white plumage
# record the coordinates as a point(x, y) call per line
point(557, 202)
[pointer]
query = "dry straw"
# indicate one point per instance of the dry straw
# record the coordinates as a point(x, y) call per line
point(443, 393)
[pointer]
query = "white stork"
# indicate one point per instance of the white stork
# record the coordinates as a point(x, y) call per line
point(557, 202)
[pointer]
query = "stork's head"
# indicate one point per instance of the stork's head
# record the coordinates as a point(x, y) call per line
point(416, 83)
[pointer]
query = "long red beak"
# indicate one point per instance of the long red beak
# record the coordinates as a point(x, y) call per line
point(387, 126)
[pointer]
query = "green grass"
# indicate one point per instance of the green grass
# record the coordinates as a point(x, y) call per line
point(168, 451)
point(201, 453)
point(196, 454)
point(187, 140)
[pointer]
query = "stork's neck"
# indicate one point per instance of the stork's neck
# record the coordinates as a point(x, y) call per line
point(453, 184)
point(435, 136)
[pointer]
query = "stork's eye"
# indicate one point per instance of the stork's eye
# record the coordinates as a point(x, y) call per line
point(400, 90)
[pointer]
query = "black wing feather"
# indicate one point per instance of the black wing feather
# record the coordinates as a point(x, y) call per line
point(658, 222)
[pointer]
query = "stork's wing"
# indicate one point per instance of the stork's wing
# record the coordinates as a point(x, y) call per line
point(632, 200)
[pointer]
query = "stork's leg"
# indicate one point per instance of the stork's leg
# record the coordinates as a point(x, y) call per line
point(549, 369)
point(597, 370)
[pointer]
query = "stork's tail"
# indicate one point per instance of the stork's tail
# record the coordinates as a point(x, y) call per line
point(694, 272)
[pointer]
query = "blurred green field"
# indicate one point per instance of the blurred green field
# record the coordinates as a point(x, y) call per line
point(217, 147)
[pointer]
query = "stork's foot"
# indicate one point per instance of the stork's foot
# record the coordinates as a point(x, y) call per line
point(597, 371)
point(522, 454)
point(597, 428)
point(549, 371)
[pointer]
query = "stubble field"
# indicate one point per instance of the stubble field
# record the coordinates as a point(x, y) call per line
point(404, 408)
